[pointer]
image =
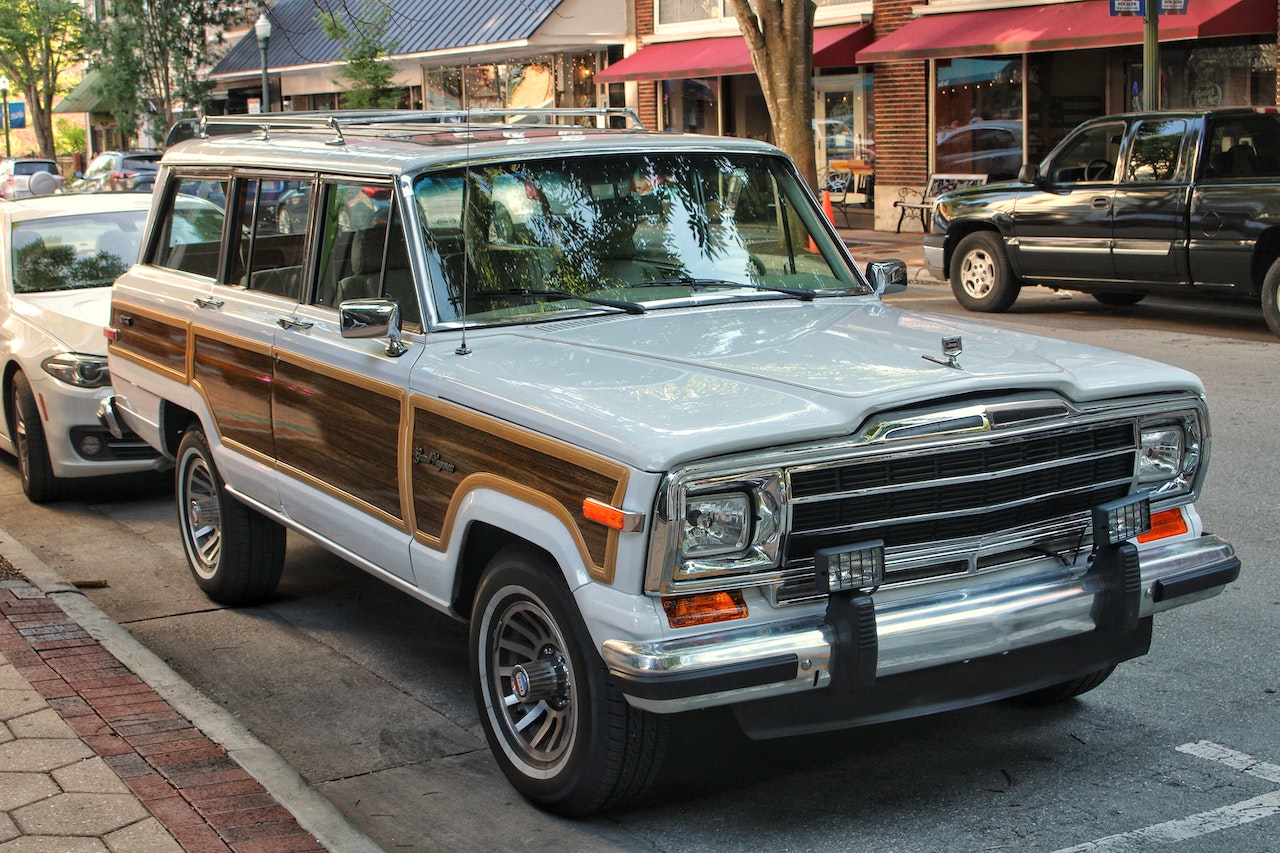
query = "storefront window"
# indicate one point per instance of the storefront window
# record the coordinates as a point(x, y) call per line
point(978, 116)
point(692, 105)
point(444, 89)
point(1241, 75)
point(565, 80)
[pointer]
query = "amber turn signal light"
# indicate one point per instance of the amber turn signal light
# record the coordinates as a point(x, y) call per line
point(704, 608)
point(1165, 524)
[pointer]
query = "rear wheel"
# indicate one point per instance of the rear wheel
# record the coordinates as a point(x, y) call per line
point(1271, 298)
point(562, 733)
point(38, 480)
point(235, 554)
point(980, 275)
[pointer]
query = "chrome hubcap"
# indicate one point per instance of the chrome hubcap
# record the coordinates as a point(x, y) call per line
point(531, 678)
point(977, 274)
point(202, 517)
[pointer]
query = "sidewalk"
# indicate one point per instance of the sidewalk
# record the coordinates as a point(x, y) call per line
point(93, 759)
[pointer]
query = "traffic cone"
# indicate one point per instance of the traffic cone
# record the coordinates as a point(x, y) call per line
point(826, 207)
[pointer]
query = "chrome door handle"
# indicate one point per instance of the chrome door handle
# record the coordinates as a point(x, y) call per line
point(206, 302)
point(1102, 202)
point(294, 323)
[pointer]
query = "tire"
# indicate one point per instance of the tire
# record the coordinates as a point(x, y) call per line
point(1058, 693)
point(980, 276)
point(1271, 298)
point(235, 554)
point(29, 443)
point(1119, 300)
point(575, 746)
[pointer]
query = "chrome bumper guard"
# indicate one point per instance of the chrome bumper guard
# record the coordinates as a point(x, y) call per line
point(917, 630)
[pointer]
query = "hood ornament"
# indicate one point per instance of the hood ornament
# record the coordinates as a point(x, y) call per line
point(951, 349)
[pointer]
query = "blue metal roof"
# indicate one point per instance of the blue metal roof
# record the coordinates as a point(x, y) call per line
point(414, 26)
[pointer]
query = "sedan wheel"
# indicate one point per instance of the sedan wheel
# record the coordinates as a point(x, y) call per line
point(38, 481)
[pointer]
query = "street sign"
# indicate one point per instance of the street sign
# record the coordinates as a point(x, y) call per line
point(1173, 7)
point(17, 115)
point(1129, 7)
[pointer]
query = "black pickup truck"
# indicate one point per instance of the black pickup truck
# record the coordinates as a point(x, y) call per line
point(1171, 202)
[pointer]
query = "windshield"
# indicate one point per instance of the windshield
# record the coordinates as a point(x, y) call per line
point(534, 240)
point(65, 252)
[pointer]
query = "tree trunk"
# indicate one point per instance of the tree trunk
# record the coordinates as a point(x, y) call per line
point(779, 35)
point(40, 118)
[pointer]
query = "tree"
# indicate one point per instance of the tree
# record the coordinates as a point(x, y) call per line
point(39, 40)
point(779, 34)
point(153, 56)
point(365, 68)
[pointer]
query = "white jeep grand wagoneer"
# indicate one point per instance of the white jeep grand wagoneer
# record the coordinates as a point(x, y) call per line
point(622, 400)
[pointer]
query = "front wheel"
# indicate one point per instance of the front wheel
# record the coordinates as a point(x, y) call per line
point(1271, 298)
point(563, 735)
point(1118, 300)
point(980, 275)
point(34, 466)
point(235, 554)
point(1059, 693)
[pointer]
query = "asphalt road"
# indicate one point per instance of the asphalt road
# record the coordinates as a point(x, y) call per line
point(365, 692)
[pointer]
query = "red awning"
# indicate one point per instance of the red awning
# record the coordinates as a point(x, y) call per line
point(1063, 26)
point(833, 47)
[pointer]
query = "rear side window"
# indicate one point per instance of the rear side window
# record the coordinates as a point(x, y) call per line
point(191, 226)
point(264, 258)
point(1156, 150)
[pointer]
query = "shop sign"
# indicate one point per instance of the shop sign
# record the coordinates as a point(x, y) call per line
point(1129, 7)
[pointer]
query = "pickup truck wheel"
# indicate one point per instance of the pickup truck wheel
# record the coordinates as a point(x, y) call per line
point(1271, 298)
point(560, 730)
point(34, 467)
point(980, 276)
point(235, 554)
point(1119, 300)
point(1059, 693)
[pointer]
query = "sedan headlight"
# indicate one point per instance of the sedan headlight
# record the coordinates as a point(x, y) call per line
point(1169, 455)
point(82, 371)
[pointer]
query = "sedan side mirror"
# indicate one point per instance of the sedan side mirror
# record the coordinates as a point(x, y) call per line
point(887, 276)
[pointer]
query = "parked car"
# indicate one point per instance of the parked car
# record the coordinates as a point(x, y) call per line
point(666, 450)
point(127, 171)
point(991, 148)
point(16, 172)
point(58, 258)
point(1176, 202)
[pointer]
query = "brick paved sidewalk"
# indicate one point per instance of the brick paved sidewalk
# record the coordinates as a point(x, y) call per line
point(176, 789)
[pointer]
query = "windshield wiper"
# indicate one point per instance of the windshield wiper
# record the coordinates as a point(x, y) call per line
point(555, 295)
point(702, 283)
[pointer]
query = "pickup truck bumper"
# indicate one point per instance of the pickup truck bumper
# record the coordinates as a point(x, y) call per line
point(944, 637)
point(935, 255)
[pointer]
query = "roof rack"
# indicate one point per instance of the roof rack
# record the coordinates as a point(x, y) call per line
point(338, 120)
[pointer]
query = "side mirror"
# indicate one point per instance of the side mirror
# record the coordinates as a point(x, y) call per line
point(43, 183)
point(373, 318)
point(1029, 173)
point(887, 276)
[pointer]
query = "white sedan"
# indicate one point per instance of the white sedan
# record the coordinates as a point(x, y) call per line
point(58, 258)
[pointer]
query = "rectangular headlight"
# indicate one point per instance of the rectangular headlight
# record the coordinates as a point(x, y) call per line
point(1160, 456)
point(717, 524)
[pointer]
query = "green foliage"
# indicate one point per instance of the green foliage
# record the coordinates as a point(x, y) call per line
point(151, 54)
point(39, 40)
point(368, 77)
point(68, 136)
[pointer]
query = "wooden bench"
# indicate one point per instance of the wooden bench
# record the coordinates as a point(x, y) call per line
point(913, 202)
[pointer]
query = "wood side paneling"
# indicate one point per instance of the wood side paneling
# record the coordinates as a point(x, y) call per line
point(454, 445)
point(236, 383)
point(150, 338)
point(342, 434)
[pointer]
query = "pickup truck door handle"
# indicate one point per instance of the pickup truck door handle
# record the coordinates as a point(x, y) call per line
point(294, 323)
point(206, 302)
point(1101, 202)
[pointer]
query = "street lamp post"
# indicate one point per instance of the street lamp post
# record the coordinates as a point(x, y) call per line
point(4, 93)
point(263, 30)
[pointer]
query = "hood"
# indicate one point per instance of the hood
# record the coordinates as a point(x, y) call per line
point(670, 386)
point(76, 318)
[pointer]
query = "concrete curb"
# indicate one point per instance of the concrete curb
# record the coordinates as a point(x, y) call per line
point(310, 808)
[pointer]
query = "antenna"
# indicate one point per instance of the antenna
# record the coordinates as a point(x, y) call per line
point(463, 349)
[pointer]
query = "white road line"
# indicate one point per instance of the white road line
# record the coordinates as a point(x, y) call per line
point(1184, 829)
point(1234, 760)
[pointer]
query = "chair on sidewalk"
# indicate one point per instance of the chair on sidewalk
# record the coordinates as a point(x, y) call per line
point(847, 185)
point(919, 204)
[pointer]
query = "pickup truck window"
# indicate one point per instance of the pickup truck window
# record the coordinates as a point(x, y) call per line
point(1156, 150)
point(1244, 147)
point(1090, 156)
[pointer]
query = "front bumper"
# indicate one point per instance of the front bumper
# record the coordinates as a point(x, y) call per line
point(935, 256)
point(1026, 612)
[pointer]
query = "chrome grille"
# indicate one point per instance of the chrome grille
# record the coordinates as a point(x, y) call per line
point(920, 498)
